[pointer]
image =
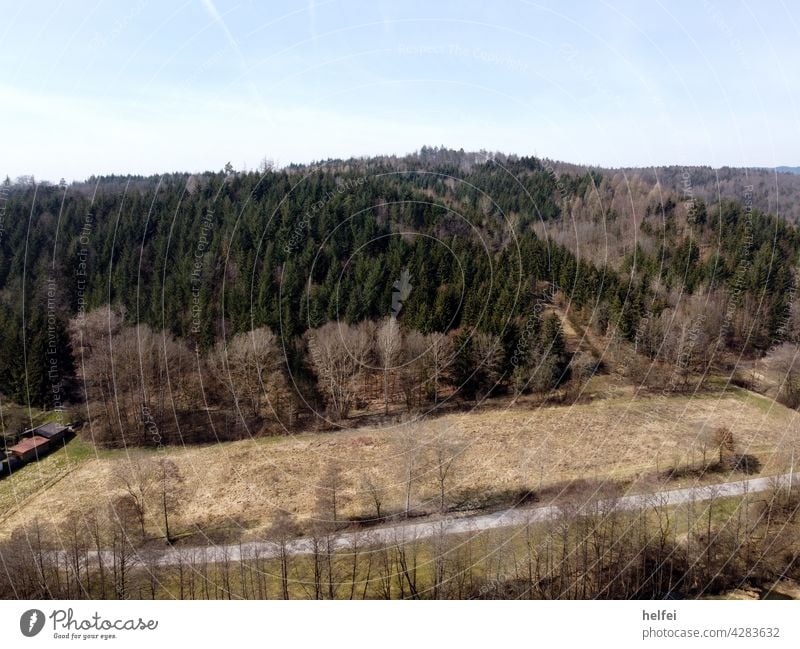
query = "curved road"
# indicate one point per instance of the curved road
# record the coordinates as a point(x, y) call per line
point(406, 532)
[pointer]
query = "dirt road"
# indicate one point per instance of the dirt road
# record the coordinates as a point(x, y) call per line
point(406, 532)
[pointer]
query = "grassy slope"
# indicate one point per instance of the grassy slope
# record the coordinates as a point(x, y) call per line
point(37, 477)
point(238, 485)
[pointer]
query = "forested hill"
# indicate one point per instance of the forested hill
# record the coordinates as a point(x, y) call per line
point(294, 248)
point(776, 191)
point(481, 239)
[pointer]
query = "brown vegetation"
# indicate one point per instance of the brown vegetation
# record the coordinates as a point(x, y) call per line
point(597, 550)
point(472, 457)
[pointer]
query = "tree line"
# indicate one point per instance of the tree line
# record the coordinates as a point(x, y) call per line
point(208, 257)
point(589, 550)
point(149, 388)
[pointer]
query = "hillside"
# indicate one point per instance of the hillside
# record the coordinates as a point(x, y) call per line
point(772, 191)
point(235, 490)
point(137, 301)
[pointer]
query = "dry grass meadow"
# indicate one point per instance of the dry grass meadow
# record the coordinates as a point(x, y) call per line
point(234, 489)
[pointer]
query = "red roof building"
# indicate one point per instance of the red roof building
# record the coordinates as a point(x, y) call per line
point(30, 448)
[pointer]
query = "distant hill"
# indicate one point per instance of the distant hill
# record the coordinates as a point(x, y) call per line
point(182, 265)
point(775, 191)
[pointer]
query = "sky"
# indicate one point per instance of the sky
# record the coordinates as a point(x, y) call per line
point(148, 87)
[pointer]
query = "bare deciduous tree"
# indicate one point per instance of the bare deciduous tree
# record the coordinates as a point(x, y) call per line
point(250, 364)
point(723, 440)
point(124, 518)
point(445, 451)
point(410, 453)
point(376, 493)
point(390, 343)
point(415, 379)
point(785, 360)
point(282, 531)
point(136, 375)
point(440, 358)
point(137, 480)
point(169, 480)
point(329, 494)
point(338, 353)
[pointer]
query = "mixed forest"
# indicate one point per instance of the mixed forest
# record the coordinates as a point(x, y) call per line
point(194, 307)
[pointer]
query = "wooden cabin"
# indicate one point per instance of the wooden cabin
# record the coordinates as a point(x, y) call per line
point(31, 448)
point(51, 431)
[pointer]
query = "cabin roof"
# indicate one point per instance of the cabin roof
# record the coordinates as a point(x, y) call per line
point(28, 444)
point(46, 430)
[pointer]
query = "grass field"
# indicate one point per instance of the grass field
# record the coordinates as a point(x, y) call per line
point(237, 487)
point(15, 491)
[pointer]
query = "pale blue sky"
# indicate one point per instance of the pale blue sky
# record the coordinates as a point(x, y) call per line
point(154, 86)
